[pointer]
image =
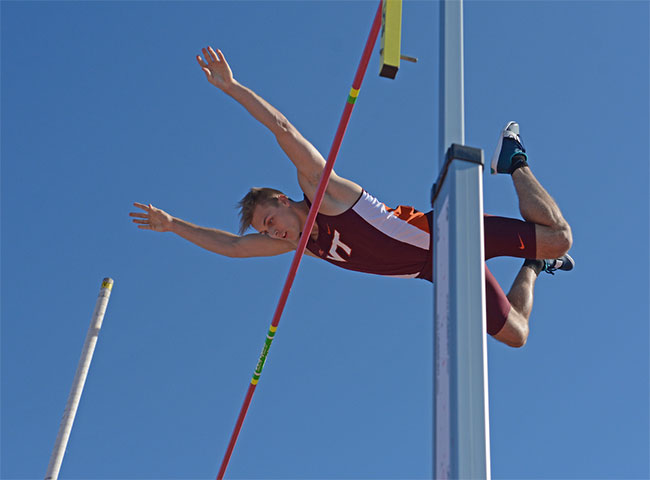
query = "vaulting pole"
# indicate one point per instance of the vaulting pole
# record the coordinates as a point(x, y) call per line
point(79, 380)
point(309, 224)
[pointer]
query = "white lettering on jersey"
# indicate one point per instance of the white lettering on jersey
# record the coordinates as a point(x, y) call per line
point(336, 243)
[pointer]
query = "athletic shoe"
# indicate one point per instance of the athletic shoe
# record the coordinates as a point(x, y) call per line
point(565, 263)
point(510, 153)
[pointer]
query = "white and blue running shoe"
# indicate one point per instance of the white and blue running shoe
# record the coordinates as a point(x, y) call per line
point(565, 263)
point(510, 153)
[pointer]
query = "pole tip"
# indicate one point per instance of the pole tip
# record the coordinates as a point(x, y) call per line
point(107, 283)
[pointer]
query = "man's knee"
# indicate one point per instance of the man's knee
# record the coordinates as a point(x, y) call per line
point(515, 331)
point(519, 339)
point(564, 239)
point(554, 241)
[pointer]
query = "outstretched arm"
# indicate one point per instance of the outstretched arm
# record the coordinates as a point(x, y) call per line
point(219, 74)
point(307, 159)
point(217, 241)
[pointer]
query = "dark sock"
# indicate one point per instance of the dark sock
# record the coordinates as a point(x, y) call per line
point(518, 161)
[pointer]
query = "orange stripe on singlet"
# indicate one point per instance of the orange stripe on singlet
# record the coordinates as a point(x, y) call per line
point(410, 216)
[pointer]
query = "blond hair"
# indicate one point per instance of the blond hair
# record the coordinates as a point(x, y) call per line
point(256, 196)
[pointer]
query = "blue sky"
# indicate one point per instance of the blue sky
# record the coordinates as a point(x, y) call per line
point(103, 105)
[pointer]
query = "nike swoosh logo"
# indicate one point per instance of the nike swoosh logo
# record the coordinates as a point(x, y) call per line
point(521, 242)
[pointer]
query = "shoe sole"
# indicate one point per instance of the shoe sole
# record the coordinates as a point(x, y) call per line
point(570, 262)
point(497, 152)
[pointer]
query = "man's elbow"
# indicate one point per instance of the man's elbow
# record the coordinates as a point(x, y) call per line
point(284, 128)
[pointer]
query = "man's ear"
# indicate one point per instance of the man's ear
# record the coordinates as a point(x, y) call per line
point(284, 200)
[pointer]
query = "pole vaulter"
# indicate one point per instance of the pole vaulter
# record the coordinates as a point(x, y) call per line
point(543, 238)
point(311, 218)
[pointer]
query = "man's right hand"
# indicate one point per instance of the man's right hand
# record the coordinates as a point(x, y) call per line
point(216, 68)
point(153, 219)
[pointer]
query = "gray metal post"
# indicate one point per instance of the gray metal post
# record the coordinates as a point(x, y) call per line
point(452, 87)
point(461, 421)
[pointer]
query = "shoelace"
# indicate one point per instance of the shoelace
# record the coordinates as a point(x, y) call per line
point(547, 267)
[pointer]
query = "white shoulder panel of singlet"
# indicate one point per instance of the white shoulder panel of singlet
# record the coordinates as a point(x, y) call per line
point(375, 213)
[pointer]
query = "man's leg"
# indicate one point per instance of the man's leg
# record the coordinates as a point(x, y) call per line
point(552, 234)
point(516, 328)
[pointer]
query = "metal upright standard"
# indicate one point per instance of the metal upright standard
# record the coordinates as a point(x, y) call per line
point(79, 380)
point(309, 223)
point(461, 423)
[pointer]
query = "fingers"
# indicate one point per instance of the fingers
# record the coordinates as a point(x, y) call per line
point(142, 219)
point(208, 56)
point(152, 218)
point(221, 57)
point(214, 55)
point(145, 223)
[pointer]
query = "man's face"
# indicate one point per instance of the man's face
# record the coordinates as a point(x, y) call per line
point(277, 220)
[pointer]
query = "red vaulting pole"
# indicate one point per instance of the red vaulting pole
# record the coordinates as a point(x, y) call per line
point(309, 224)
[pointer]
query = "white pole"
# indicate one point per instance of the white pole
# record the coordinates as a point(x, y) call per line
point(79, 380)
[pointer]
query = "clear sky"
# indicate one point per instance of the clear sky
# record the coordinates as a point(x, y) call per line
point(103, 105)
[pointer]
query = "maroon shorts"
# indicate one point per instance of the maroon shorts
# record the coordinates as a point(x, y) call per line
point(504, 237)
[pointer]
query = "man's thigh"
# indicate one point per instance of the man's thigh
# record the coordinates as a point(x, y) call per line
point(509, 237)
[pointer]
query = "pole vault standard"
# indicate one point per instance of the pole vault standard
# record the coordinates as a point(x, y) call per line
point(79, 380)
point(309, 224)
point(461, 417)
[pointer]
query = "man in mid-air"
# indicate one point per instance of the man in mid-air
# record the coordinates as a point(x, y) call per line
point(356, 231)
